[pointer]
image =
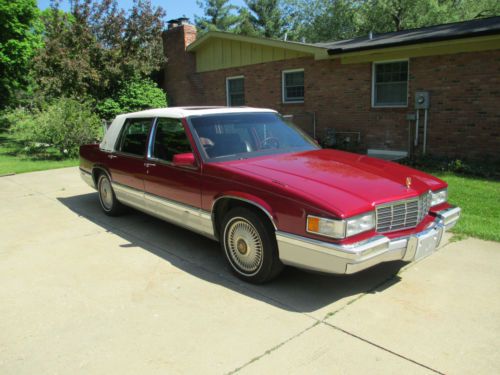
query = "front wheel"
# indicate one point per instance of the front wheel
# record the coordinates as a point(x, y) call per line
point(250, 246)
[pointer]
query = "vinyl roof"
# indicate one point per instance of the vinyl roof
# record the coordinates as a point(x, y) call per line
point(449, 31)
point(180, 112)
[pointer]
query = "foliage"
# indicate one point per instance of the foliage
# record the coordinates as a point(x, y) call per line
point(64, 124)
point(266, 16)
point(482, 169)
point(134, 96)
point(98, 45)
point(219, 15)
point(245, 25)
point(323, 20)
point(19, 41)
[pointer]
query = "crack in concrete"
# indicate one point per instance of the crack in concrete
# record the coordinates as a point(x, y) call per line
point(323, 321)
point(382, 348)
point(274, 348)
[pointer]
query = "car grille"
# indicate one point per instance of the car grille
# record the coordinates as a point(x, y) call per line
point(403, 214)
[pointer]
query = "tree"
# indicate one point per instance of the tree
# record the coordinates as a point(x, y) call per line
point(325, 20)
point(322, 20)
point(97, 47)
point(266, 16)
point(135, 95)
point(19, 40)
point(218, 16)
point(245, 25)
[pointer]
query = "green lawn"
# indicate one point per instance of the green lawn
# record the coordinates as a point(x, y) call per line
point(13, 161)
point(16, 164)
point(480, 203)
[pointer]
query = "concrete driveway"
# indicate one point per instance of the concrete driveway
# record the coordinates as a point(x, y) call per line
point(84, 293)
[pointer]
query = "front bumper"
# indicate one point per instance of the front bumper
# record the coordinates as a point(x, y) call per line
point(327, 257)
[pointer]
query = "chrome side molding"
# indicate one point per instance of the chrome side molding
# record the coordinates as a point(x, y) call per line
point(191, 218)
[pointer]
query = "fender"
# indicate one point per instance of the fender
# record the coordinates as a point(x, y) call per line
point(248, 198)
point(101, 168)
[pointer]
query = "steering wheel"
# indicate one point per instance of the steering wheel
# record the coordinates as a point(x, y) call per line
point(270, 142)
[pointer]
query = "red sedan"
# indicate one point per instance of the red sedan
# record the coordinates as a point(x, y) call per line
point(266, 191)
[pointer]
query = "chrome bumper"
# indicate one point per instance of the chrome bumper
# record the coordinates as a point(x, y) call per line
point(327, 257)
point(87, 177)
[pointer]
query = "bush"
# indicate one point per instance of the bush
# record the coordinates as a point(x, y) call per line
point(483, 169)
point(135, 95)
point(64, 124)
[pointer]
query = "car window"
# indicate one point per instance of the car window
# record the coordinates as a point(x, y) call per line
point(245, 135)
point(170, 139)
point(134, 136)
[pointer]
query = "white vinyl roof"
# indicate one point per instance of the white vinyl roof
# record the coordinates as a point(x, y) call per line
point(180, 112)
point(113, 131)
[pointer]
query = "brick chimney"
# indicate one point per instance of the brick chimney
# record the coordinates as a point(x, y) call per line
point(181, 82)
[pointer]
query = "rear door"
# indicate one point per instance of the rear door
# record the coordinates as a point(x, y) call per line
point(127, 162)
point(173, 192)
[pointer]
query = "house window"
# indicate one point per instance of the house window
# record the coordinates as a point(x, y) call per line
point(293, 86)
point(390, 84)
point(235, 91)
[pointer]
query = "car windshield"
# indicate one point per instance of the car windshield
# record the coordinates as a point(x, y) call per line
point(246, 135)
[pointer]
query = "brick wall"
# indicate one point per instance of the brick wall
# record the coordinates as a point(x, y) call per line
point(464, 119)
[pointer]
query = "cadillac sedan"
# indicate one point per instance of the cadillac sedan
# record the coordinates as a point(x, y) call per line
point(266, 191)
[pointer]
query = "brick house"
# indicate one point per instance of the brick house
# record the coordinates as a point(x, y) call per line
point(434, 90)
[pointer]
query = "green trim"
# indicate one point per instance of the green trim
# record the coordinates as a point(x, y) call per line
point(318, 52)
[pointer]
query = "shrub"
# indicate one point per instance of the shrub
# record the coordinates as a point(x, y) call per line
point(64, 124)
point(489, 169)
point(135, 95)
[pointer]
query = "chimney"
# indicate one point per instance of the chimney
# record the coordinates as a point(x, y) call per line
point(177, 22)
point(180, 65)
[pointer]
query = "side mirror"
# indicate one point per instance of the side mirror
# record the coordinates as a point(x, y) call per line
point(184, 160)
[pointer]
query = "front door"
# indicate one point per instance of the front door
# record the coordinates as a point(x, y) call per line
point(173, 192)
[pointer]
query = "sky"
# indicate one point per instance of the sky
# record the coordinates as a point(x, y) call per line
point(175, 9)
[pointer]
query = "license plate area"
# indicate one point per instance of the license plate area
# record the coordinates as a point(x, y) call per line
point(425, 244)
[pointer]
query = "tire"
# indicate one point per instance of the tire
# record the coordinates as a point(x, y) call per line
point(109, 204)
point(249, 246)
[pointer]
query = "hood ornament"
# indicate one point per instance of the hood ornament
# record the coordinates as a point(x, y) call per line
point(408, 182)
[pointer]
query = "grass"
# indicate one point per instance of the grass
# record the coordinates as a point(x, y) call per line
point(12, 159)
point(480, 203)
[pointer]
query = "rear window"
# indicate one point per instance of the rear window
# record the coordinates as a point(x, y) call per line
point(134, 136)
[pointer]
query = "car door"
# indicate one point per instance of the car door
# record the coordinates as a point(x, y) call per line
point(173, 192)
point(127, 163)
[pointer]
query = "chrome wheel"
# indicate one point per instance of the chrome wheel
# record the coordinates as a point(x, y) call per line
point(106, 193)
point(244, 246)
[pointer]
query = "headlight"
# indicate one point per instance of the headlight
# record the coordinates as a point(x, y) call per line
point(438, 197)
point(360, 224)
point(340, 228)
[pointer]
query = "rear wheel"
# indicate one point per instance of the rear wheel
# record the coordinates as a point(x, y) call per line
point(250, 246)
point(109, 204)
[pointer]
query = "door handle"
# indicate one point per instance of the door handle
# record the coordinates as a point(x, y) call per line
point(112, 156)
point(147, 165)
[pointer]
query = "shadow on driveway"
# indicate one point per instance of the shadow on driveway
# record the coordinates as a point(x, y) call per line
point(294, 290)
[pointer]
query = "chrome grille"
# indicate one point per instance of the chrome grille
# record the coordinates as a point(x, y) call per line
point(403, 214)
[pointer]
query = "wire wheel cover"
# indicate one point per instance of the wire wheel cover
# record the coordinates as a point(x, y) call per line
point(244, 245)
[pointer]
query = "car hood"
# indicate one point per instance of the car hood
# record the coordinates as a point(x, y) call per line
point(344, 182)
